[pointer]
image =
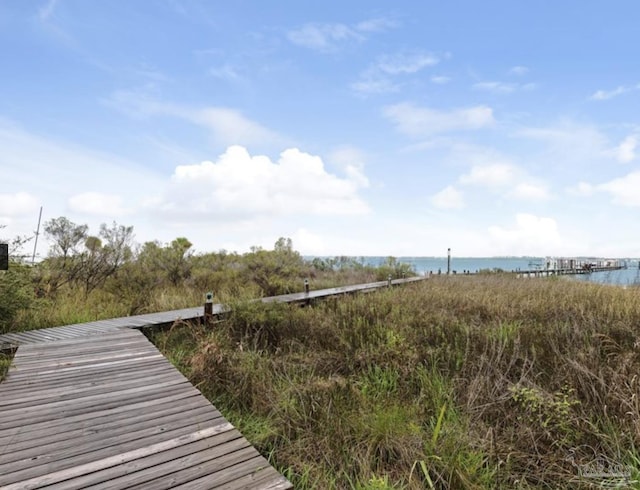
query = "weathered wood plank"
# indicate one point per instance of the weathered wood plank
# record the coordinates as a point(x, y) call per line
point(14, 380)
point(37, 461)
point(65, 347)
point(167, 474)
point(134, 470)
point(84, 379)
point(215, 471)
point(86, 419)
point(55, 394)
point(264, 479)
point(96, 403)
point(108, 462)
point(100, 364)
point(42, 437)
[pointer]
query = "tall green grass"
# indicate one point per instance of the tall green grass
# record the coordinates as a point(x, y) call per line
point(122, 296)
point(471, 382)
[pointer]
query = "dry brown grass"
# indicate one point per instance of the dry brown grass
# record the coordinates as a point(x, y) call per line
point(469, 382)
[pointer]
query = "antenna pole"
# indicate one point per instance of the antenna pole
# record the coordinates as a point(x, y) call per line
point(35, 245)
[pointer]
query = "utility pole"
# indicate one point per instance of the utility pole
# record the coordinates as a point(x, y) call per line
point(35, 245)
point(448, 261)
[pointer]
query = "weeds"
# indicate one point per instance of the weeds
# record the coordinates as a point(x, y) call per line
point(5, 363)
point(475, 382)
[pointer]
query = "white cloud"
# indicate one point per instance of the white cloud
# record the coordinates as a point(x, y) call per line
point(496, 173)
point(440, 80)
point(312, 243)
point(519, 70)
point(581, 189)
point(403, 63)
point(239, 186)
point(379, 76)
point(448, 198)
point(626, 151)
point(231, 126)
point(64, 169)
point(374, 85)
point(351, 161)
point(47, 10)
point(98, 204)
point(227, 126)
point(529, 191)
point(493, 175)
point(609, 94)
point(378, 24)
point(423, 121)
point(624, 190)
point(327, 37)
point(17, 204)
point(502, 87)
point(323, 37)
point(226, 72)
point(569, 143)
point(532, 235)
point(495, 87)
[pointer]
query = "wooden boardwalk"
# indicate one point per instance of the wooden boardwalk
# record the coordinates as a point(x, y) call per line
point(96, 405)
point(11, 340)
point(98, 327)
point(109, 411)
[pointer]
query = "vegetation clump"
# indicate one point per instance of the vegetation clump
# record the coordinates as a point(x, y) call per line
point(455, 382)
point(87, 277)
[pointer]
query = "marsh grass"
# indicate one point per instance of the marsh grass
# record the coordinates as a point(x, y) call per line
point(5, 363)
point(135, 294)
point(470, 382)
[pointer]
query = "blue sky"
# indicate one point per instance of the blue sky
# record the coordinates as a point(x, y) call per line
point(356, 128)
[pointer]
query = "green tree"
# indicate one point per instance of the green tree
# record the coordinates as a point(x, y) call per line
point(66, 236)
point(179, 263)
point(276, 271)
point(62, 265)
point(104, 256)
point(76, 257)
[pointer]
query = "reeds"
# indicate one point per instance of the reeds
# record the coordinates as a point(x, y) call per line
point(469, 382)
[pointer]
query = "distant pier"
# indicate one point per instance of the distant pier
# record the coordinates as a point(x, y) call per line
point(565, 271)
point(552, 266)
point(557, 266)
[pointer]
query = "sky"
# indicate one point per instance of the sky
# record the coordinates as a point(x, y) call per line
point(354, 128)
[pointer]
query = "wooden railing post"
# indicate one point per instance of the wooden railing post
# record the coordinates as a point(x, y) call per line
point(307, 301)
point(208, 308)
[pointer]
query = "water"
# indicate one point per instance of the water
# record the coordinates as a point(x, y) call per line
point(424, 265)
point(623, 277)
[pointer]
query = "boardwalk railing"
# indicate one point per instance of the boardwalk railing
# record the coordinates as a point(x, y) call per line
point(12, 340)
